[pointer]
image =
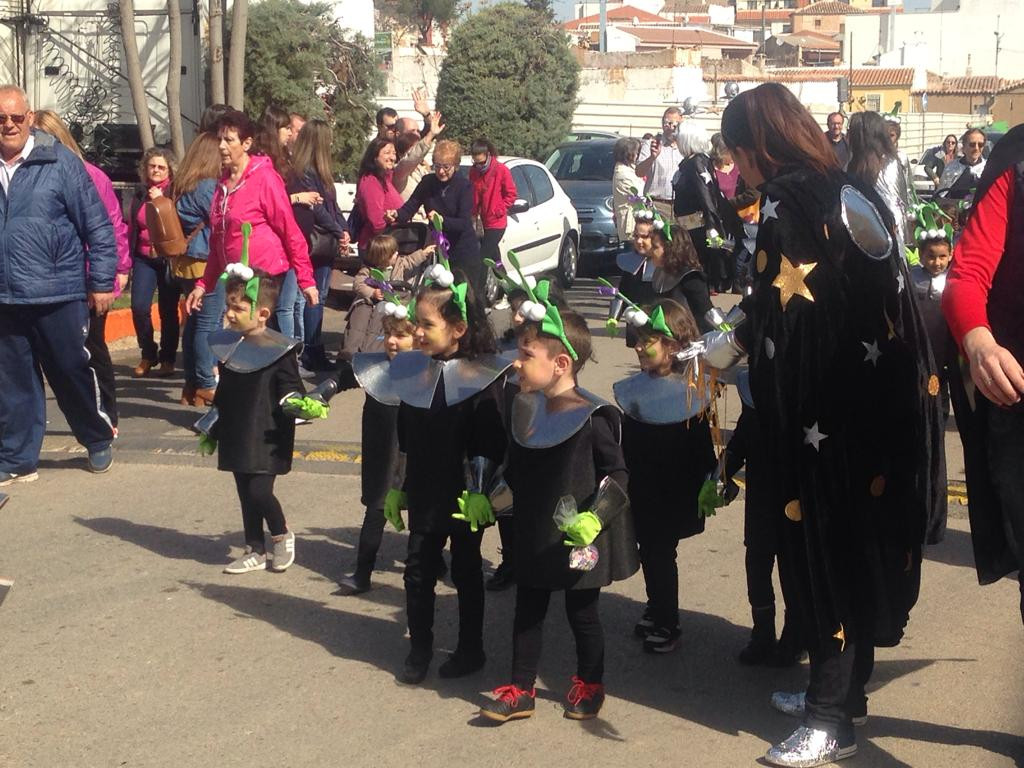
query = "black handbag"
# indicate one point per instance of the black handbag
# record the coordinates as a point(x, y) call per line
point(323, 246)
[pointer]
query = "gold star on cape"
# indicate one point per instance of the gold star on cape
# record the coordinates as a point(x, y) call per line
point(841, 637)
point(791, 281)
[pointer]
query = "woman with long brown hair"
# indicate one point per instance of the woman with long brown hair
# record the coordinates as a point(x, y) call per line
point(845, 390)
point(193, 189)
point(874, 162)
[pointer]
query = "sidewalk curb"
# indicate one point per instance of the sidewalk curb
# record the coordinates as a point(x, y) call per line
point(120, 324)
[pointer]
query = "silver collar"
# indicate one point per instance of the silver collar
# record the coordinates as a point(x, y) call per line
point(865, 225)
point(660, 399)
point(245, 354)
point(538, 422)
point(415, 377)
point(372, 371)
point(633, 263)
point(664, 281)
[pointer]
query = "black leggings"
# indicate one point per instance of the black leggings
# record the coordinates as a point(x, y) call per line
point(370, 537)
point(256, 492)
point(528, 632)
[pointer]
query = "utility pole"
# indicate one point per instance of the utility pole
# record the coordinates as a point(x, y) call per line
point(999, 39)
point(602, 41)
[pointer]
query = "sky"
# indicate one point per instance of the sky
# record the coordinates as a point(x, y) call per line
point(563, 8)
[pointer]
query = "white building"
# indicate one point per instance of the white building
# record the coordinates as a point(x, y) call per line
point(68, 55)
point(948, 41)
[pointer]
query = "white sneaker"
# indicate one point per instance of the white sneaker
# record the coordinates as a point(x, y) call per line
point(249, 561)
point(6, 478)
point(284, 552)
point(807, 748)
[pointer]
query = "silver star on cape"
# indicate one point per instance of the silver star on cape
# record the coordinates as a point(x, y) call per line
point(768, 209)
point(813, 436)
point(706, 176)
point(872, 352)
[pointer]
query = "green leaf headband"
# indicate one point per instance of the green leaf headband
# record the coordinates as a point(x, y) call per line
point(393, 306)
point(636, 316)
point(440, 272)
point(539, 309)
point(508, 282)
point(930, 224)
point(242, 269)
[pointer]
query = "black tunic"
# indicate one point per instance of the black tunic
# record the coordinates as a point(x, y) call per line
point(253, 434)
point(379, 451)
point(761, 521)
point(668, 464)
point(691, 290)
point(845, 388)
point(437, 442)
point(540, 477)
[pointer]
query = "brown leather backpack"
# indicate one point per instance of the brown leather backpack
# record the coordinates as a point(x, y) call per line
point(166, 236)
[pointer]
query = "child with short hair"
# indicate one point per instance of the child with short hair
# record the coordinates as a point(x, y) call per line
point(666, 441)
point(251, 425)
point(380, 437)
point(564, 452)
point(363, 329)
point(451, 434)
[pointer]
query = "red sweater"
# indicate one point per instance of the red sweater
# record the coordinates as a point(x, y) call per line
point(976, 258)
point(493, 194)
point(374, 199)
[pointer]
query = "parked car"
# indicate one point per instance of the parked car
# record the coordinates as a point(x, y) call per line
point(584, 169)
point(588, 135)
point(543, 228)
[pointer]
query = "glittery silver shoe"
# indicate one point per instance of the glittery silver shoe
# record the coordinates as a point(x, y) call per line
point(808, 747)
point(793, 704)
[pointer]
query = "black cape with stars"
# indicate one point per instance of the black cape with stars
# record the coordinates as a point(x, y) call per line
point(844, 383)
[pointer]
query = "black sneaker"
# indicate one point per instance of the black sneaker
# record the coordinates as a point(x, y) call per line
point(460, 664)
point(584, 700)
point(355, 584)
point(759, 651)
point(502, 579)
point(662, 640)
point(511, 704)
point(644, 626)
point(414, 671)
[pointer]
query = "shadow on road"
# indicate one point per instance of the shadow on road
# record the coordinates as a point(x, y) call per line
point(166, 542)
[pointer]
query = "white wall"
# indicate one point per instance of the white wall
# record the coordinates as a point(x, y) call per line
point(942, 42)
point(354, 15)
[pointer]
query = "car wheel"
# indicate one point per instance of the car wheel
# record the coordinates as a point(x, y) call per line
point(492, 289)
point(568, 262)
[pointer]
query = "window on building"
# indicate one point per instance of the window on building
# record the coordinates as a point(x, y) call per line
point(873, 102)
point(817, 23)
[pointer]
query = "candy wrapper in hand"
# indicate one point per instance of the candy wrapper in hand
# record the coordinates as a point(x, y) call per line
point(580, 558)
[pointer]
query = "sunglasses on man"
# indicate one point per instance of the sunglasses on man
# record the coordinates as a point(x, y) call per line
point(16, 119)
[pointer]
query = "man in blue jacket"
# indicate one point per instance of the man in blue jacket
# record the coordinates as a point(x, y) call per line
point(57, 258)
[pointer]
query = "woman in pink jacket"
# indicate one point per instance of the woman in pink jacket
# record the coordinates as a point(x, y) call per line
point(377, 200)
point(250, 190)
point(494, 191)
point(96, 343)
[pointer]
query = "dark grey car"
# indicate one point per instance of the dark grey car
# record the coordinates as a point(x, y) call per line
point(584, 170)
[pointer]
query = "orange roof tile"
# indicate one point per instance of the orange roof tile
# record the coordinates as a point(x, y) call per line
point(828, 8)
point(964, 85)
point(625, 13)
point(862, 77)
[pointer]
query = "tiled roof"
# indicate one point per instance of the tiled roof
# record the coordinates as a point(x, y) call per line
point(827, 8)
point(625, 13)
point(686, 37)
point(965, 85)
point(770, 15)
point(810, 41)
point(1012, 85)
point(862, 77)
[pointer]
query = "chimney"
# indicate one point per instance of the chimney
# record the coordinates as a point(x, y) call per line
point(968, 72)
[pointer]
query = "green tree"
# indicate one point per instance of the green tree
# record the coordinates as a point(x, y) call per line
point(421, 14)
point(542, 7)
point(509, 75)
point(299, 59)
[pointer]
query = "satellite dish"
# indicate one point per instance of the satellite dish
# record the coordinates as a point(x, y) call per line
point(689, 106)
point(732, 90)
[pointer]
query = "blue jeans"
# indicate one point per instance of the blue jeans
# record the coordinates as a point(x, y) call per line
point(149, 276)
point(50, 337)
point(313, 317)
point(196, 356)
point(287, 322)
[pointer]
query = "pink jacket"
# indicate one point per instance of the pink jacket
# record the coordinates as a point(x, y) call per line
point(373, 199)
point(113, 206)
point(276, 245)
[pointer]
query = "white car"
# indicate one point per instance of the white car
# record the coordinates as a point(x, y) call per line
point(543, 229)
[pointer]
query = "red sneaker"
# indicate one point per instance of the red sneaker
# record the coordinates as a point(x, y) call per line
point(584, 700)
point(511, 704)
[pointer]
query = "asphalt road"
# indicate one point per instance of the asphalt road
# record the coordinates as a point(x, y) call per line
point(123, 644)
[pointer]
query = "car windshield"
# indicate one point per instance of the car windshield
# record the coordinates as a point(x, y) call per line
point(582, 163)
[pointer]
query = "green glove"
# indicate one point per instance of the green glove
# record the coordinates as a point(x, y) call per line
point(306, 408)
point(708, 500)
point(612, 326)
point(394, 503)
point(207, 445)
point(475, 509)
point(582, 531)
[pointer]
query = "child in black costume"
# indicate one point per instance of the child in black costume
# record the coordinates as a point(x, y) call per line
point(565, 442)
point(380, 438)
point(451, 434)
point(252, 422)
point(677, 272)
point(666, 440)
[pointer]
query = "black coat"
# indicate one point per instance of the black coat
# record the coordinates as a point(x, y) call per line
point(855, 439)
point(668, 464)
point(691, 291)
point(761, 519)
point(437, 442)
point(253, 435)
point(454, 201)
point(379, 451)
point(540, 477)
